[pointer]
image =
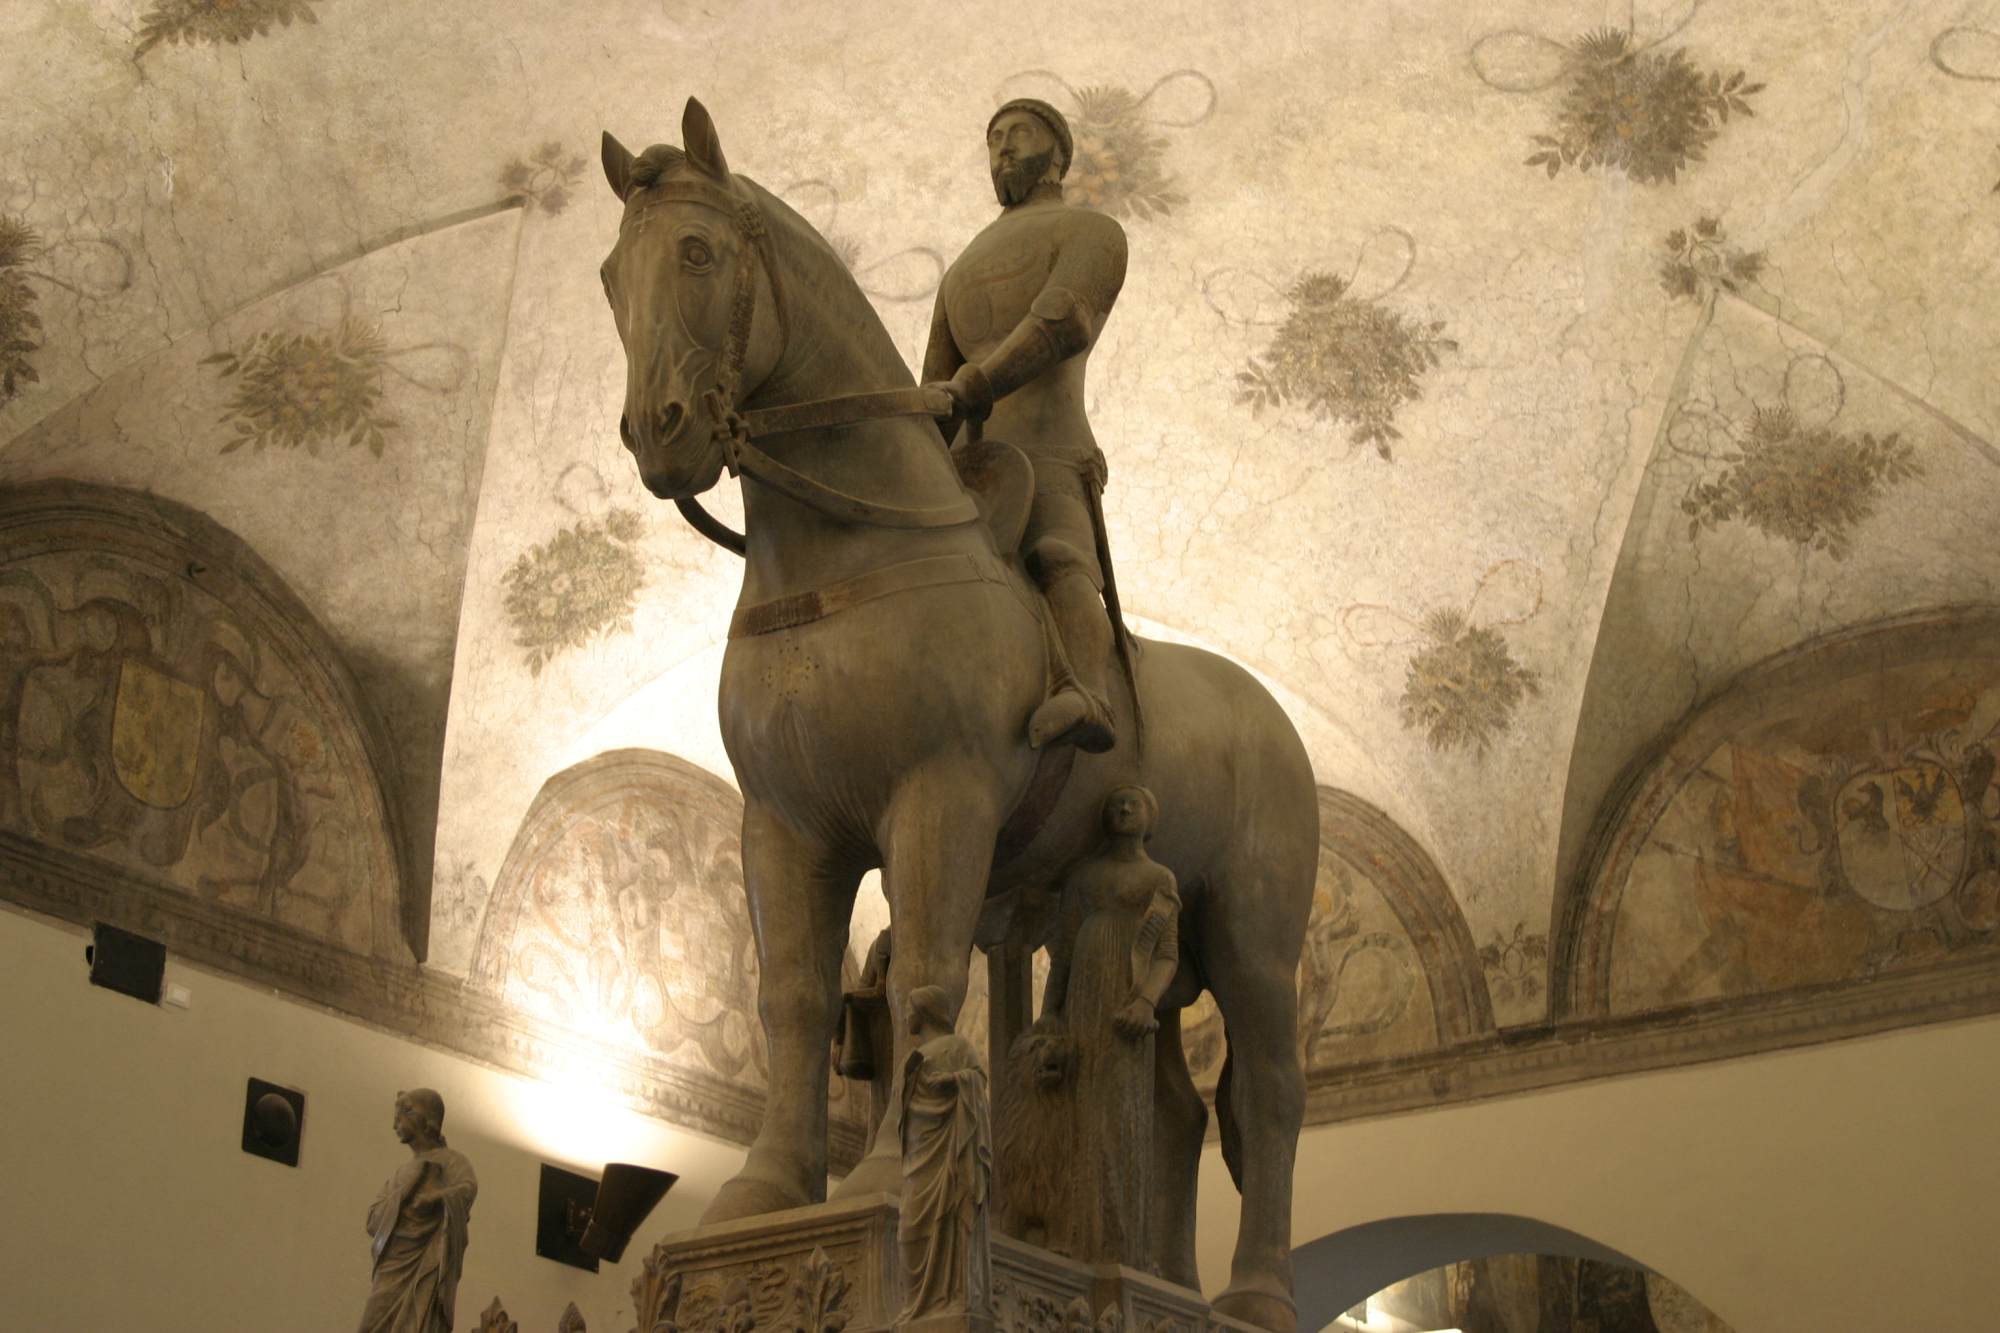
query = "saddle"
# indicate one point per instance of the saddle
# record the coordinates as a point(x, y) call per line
point(1002, 482)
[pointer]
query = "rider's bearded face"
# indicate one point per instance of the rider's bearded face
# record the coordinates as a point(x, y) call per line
point(1021, 151)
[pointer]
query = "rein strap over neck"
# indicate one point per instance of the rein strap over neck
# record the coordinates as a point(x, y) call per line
point(740, 428)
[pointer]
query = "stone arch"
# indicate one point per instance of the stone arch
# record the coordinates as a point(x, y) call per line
point(619, 917)
point(1828, 818)
point(1338, 1271)
point(1486, 1270)
point(173, 716)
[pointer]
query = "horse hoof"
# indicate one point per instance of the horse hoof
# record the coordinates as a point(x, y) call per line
point(747, 1196)
point(1260, 1309)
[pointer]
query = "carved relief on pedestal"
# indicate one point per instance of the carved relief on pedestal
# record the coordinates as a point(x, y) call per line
point(806, 1295)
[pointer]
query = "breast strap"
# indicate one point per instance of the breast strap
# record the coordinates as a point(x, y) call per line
point(803, 608)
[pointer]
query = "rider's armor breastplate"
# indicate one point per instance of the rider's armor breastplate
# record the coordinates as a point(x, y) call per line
point(988, 291)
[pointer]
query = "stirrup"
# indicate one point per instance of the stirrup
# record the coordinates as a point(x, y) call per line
point(1072, 716)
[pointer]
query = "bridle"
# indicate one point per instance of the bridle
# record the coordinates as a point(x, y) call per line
point(740, 429)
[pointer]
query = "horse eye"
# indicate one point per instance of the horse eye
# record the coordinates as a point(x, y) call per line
point(695, 255)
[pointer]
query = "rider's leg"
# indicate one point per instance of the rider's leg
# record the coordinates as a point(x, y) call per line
point(1077, 711)
point(1061, 548)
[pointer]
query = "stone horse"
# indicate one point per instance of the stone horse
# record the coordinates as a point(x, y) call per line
point(885, 655)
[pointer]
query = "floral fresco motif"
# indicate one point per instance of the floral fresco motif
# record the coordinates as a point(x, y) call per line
point(543, 179)
point(1515, 964)
point(1347, 361)
point(581, 583)
point(1118, 166)
point(20, 326)
point(1701, 263)
point(1968, 53)
point(300, 390)
point(1810, 485)
point(1637, 110)
point(1462, 685)
point(217, 21)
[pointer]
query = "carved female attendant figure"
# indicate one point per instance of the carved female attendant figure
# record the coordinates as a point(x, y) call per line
point(1115, 955)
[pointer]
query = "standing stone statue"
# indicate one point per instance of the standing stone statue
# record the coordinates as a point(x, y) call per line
point(1016, 317)
point(947, 1176)
point(1115, 954)
point(418, 1226)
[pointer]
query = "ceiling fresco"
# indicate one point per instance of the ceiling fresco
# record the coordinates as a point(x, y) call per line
point(1498, 382)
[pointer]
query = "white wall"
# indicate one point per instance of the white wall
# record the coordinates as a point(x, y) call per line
point(1850, 1186)
point(127, 1202)
point(1845, 1187)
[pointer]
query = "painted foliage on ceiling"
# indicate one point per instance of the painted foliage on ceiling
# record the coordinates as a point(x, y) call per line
point(1718, 388)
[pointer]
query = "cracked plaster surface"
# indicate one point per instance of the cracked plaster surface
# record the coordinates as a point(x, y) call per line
point(228, 173)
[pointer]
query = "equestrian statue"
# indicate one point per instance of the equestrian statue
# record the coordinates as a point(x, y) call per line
point(926, 670)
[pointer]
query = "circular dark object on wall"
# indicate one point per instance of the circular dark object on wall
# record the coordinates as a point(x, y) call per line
point(274, 1121)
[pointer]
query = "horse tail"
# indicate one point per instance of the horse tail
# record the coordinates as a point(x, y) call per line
point(1230, 1132)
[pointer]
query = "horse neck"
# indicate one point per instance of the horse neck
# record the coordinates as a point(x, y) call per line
point(837, 345)
point(793, 548)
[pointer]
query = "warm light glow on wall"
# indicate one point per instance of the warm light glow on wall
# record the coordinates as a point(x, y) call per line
point(574, 1116)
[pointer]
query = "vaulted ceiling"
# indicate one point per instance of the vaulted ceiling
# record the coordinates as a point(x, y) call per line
point(1497, 381)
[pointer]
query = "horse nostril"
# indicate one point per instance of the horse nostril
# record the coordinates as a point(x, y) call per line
point(625, 432)
point(670, 419)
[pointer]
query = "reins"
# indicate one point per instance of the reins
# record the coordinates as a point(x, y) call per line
point(740, 429)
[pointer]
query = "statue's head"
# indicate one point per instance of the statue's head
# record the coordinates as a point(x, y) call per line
point(1027, 144)
point(419, 1116)
point(1131, 812)
point(688, 280)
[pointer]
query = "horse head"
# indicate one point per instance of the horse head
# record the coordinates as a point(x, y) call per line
point(693, 289)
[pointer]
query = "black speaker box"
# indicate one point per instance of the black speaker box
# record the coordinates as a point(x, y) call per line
point(129, 964)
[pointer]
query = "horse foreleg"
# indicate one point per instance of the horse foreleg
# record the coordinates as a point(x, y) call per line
point(800, 902)
point(937, 849)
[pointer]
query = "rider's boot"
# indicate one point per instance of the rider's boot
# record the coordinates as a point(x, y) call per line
point(1076, 711)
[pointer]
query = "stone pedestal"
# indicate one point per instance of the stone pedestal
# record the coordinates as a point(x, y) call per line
point(832, 1268)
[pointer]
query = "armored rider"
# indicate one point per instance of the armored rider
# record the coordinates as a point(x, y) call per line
point(1016, 317)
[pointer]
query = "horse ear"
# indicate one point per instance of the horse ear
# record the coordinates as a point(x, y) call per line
point(618, 161)
point(698, 136)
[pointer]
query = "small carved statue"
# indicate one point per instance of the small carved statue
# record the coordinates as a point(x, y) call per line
point(418, 1226)
point(947, 1172)
point(1115, 954)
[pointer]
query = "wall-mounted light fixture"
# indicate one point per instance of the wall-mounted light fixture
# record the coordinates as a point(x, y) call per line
point(625, 1197)
point(579, 1221)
